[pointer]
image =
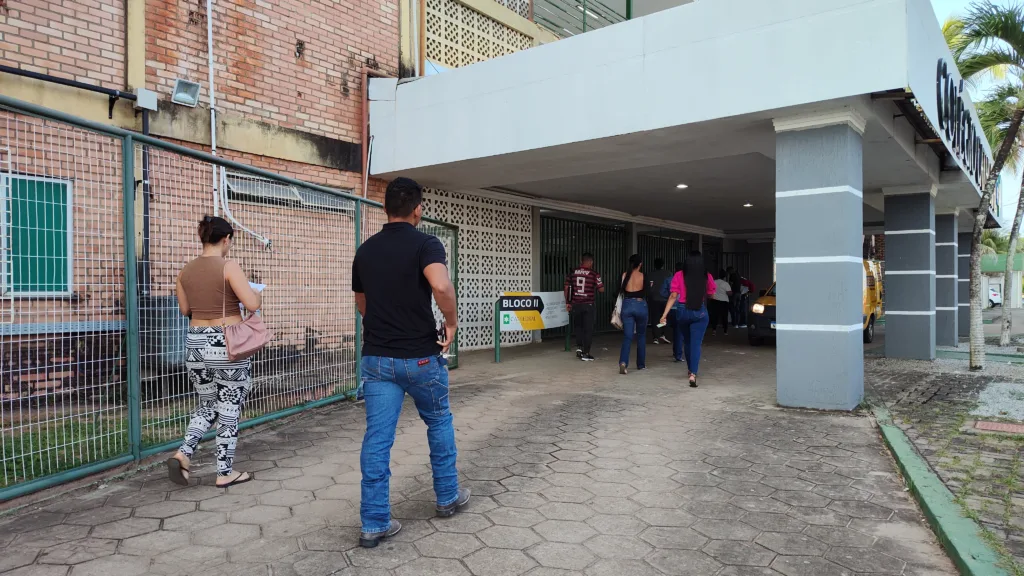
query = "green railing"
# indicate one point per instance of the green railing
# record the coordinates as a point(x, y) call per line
point(95, 224)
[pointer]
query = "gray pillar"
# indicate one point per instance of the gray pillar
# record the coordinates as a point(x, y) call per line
point(910, 273)
point(632, 243)
point(946, 312)
point(963, 301)
point(818, 221)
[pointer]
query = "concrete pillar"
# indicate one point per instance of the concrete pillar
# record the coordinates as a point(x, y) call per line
point(963, 301)
point(946, 311)
point(818, 222)
point(910, 272)
point(632, 242)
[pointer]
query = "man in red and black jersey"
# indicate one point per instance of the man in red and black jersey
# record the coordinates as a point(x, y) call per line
point(581, 288)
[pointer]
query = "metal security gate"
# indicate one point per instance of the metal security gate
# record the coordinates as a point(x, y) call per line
point(95, 224)
point(563, 242)
point(672, 250)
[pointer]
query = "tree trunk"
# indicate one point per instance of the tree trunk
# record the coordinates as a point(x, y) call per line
point(1011, 252)
point(977, 356)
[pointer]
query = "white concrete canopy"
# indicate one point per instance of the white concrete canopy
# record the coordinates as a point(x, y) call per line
point(618, 116)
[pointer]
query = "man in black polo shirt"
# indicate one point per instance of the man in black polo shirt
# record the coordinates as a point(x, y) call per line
point(394, 274)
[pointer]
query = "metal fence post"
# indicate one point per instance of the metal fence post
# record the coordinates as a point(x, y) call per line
point(131, 301)
point(497, 331)
point(358, 216)
point(454, 362)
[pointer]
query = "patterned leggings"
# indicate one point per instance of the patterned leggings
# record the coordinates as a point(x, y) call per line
point(222, 386)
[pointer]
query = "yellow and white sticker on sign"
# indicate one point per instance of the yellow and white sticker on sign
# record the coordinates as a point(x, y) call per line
point(520, 311)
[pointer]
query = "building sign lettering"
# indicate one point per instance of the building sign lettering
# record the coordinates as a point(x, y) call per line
point(957, 125)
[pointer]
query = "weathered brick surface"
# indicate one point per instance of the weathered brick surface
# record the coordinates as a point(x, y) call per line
point(82, 40)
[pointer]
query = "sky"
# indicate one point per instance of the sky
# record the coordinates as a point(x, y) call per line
point(1011, 187)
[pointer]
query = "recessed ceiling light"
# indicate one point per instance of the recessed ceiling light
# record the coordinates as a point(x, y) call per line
point(747, 205)
point(682, 186)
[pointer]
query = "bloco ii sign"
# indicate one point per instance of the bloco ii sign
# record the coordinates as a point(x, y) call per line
point(959, 127)
point(531, 311)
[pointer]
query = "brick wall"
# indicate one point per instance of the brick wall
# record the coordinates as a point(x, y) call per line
point(257, 70)
point(78, 39)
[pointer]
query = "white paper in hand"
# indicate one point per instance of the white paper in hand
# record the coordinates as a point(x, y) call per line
point(258, 288)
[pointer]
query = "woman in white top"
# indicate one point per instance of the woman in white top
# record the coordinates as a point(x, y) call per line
point(720, 304)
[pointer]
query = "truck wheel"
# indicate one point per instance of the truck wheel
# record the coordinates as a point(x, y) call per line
point(869, 332)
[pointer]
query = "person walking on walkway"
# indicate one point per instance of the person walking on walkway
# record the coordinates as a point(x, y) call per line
point(657, 298)
point(210, 289)
point(720, 304)
point(693, 286)
point(581, 288)
point(633, 289)
point(394, 274)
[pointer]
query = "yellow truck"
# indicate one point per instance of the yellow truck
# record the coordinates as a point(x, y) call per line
point(761, 320)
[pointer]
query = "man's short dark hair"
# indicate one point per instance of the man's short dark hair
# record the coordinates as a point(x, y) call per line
point(659, 263)
point(402, 197)
point(587, 256)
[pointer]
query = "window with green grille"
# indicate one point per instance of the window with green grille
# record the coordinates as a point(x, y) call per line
point(35, 231)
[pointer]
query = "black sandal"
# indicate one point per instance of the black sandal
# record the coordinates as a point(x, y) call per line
point(693, 380)
point(238, 480)
point(176, 472)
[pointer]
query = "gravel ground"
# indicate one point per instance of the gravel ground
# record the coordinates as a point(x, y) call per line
point(993, 369)
point(1001, 400)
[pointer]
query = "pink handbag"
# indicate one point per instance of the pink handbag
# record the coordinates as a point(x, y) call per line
point(248, 336)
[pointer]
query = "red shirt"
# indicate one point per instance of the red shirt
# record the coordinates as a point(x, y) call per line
point(581, 286)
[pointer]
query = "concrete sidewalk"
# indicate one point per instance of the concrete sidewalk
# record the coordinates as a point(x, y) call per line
point(574, 469)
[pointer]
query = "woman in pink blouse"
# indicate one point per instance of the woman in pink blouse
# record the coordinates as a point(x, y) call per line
point(692, 286)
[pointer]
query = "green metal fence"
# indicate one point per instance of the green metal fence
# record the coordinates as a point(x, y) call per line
point(95, 224)
point(563, 242)
point(670, 249)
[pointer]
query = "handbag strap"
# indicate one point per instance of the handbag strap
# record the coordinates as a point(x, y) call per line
point(224, 295)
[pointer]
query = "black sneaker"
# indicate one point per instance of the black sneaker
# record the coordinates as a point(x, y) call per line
point(451, 509)
point(579, 354)
point(367, 540)
point(588, 358)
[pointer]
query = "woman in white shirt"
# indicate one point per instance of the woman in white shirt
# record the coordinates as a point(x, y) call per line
point(720, 304)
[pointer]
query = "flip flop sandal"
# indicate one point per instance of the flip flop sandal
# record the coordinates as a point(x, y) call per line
point(238, 480)
point(176, 472)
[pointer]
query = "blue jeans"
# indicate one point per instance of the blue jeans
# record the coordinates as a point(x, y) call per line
point(385, 383)
point(690, 328)
point(634, 325)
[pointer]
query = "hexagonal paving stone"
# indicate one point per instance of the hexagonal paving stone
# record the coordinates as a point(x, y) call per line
point(286, 497)
point(673, 538)
point(697, 479)
point(126, 528)
point(808, 566)
point(801, 498)
point(789, 544)
point(196, 493)
point(447, 545)
point(509, 537)
point(667, 517)
point(564, 531)
point(464, 523)
point(98, 516)
point(192, 555)
point(51, 536)
point(618, 525)
point(117, 564)
point(833, 492)
point(227, 503)
point(684, 563)
point(621, 568)
point(840, 536)
point(154, 543)
point(76, 552)
point(164, 509)
point(613, 476)
point(819, 516)
point(431, 567)
point(785, 483)
point(725, 530)
point(565, 511)
point(260, 515)
point(261, 551)
point(861, 560)
point(759, 504)
point(339, 539)
point(496, 562)
point(741, 488)
point(522, 517)
point(714, 510)
point(774, 522)
point(11, 559)
point(36, 521)
point(704, 494)
point(520, 500)
point(386, 556)
point(568, 467)
point(560, 555)
point(618, 547)
point(613, 505)
point(747, 571)
point(525, 484)
point(856, 509)
point(566, 494)
point(306, 482)
point(739, 553)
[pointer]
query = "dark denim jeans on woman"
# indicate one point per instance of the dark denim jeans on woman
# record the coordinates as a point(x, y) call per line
point(634, 325)
point(385, 384)
point(690, 328)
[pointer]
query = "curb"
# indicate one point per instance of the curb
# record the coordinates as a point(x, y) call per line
point(958, 535)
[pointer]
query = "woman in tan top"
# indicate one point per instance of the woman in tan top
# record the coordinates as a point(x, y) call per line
point(210, 289)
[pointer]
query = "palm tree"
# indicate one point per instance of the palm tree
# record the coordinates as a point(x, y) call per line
point(989, 43)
